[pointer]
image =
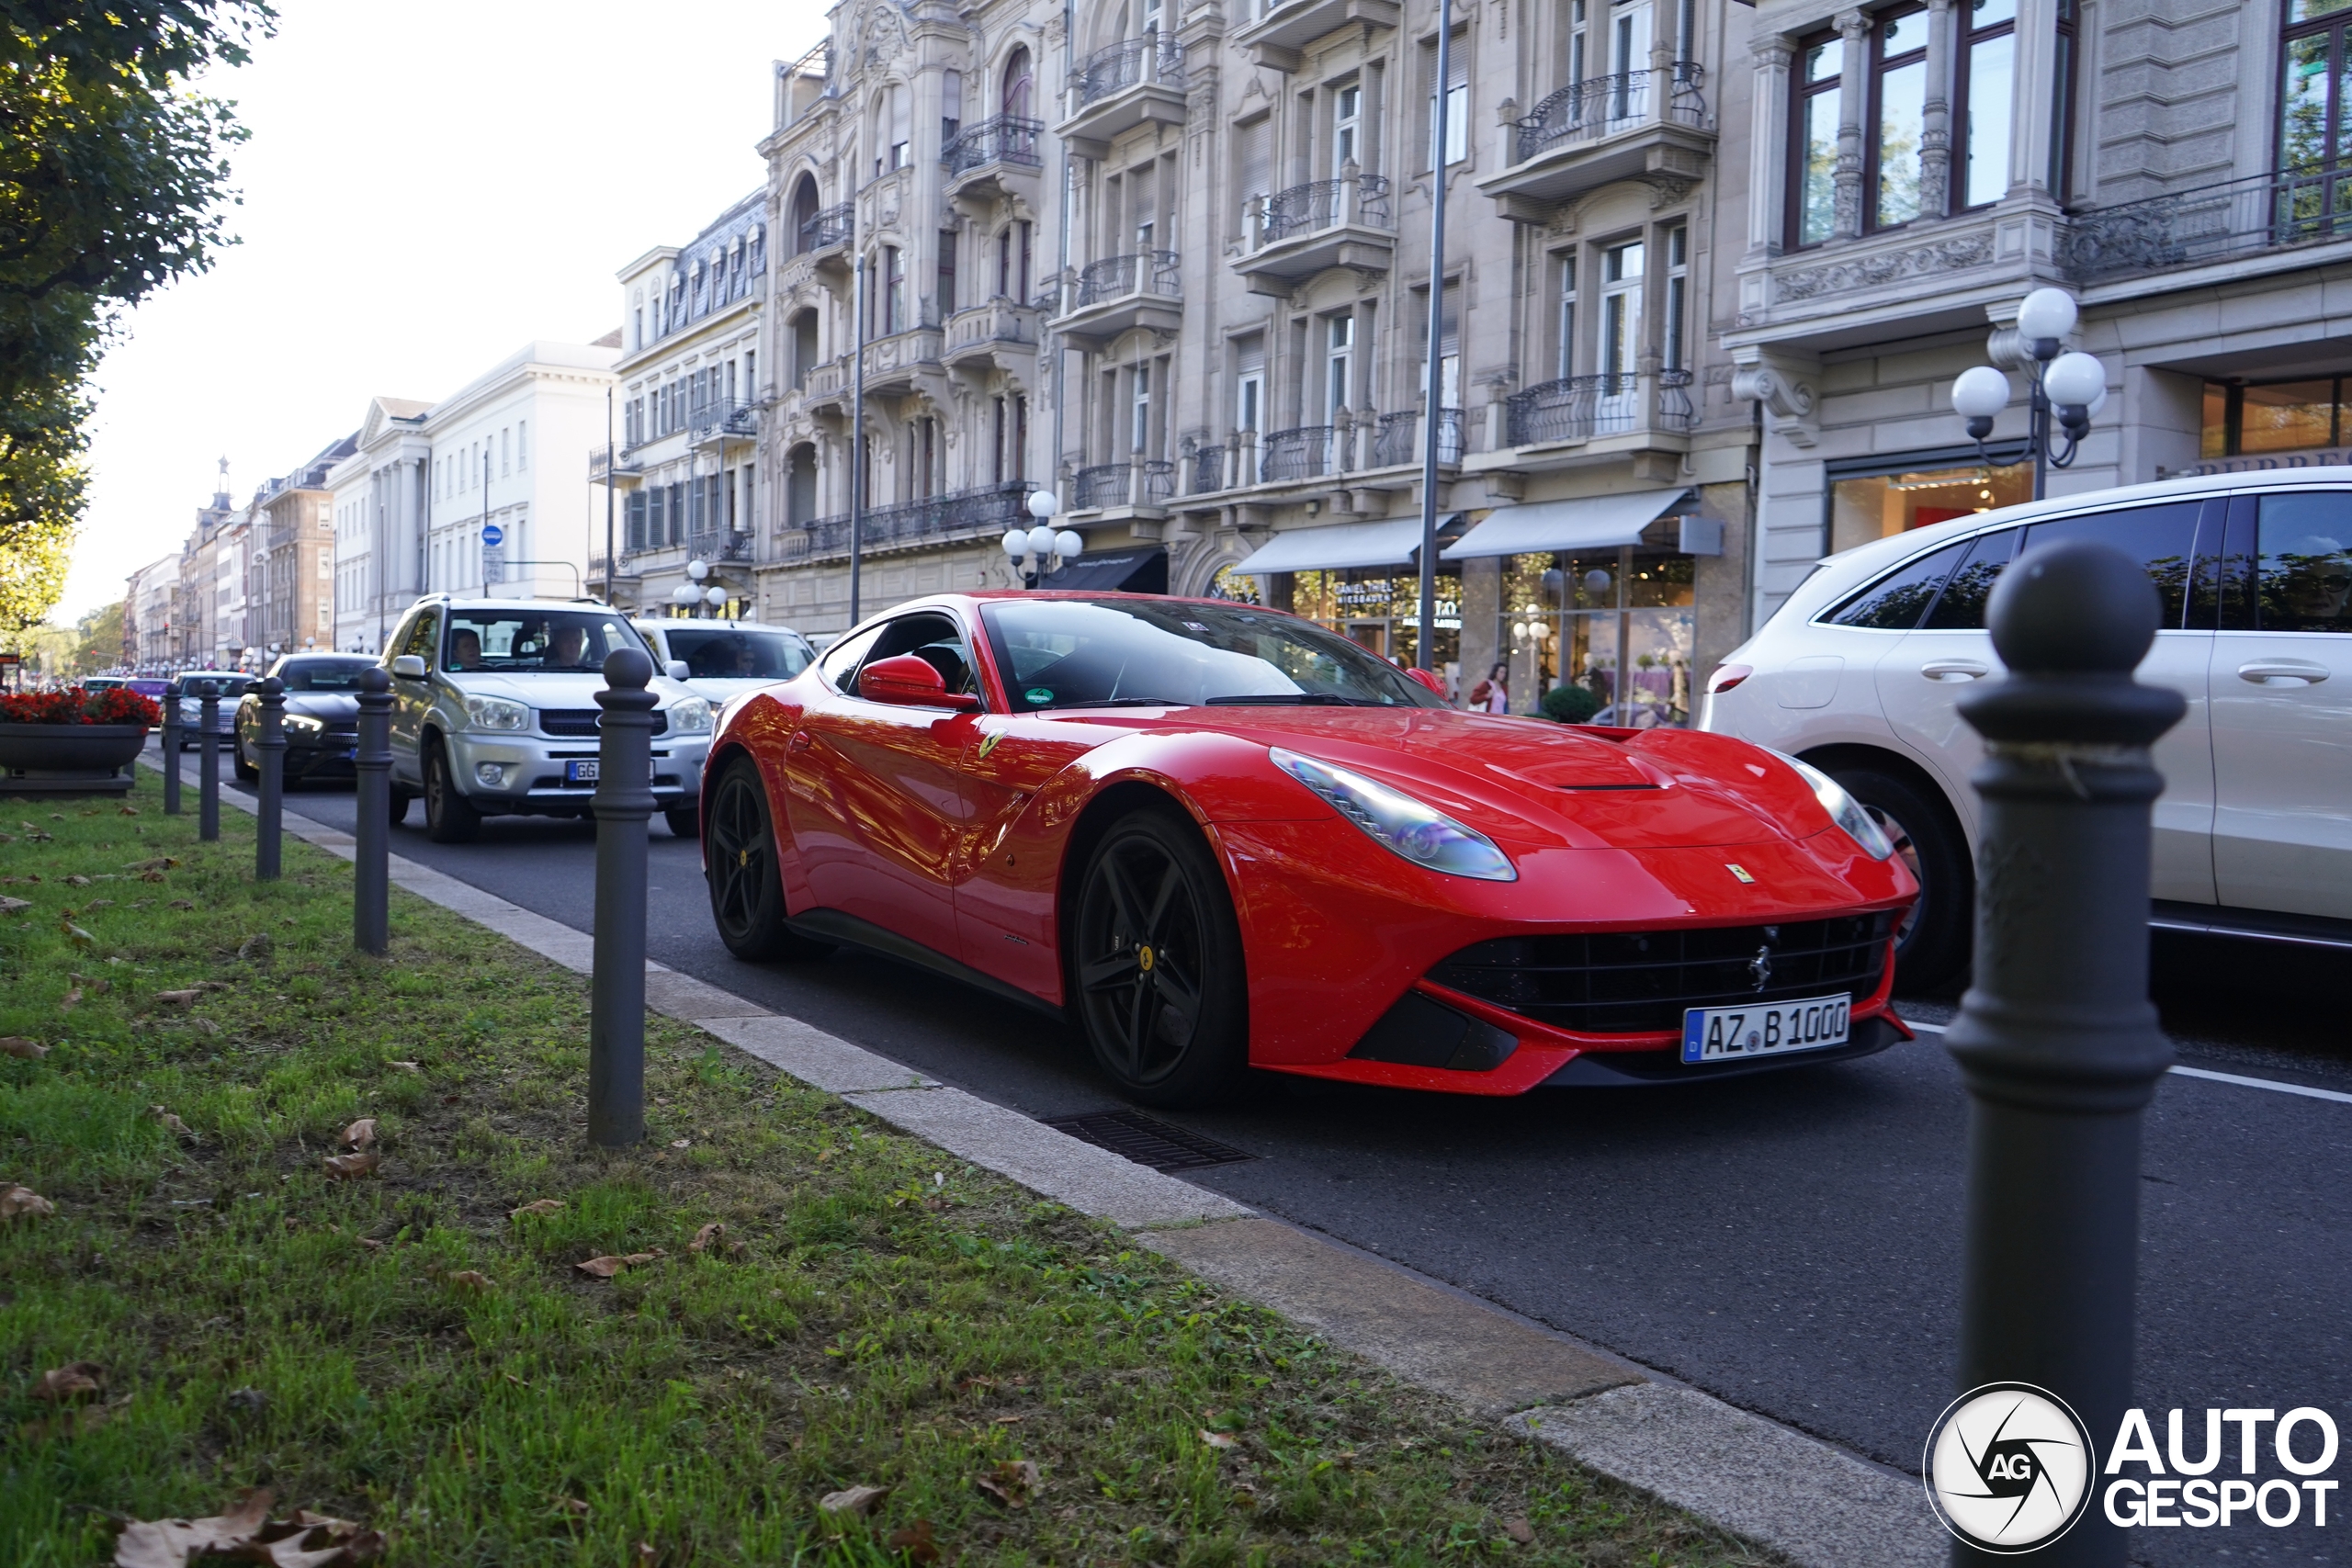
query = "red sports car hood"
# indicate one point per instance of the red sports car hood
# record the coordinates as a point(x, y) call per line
point(1534, 781)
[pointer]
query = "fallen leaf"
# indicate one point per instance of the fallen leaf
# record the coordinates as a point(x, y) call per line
point(75, 935)
point(16, 1200)
point(65, 1384)
point(360, 1133)
point(181, 904)
point(248, 1401)
point(916, 1541)
point(1215, 1439)
point(853, 1502)
point(128, 810)
point(246, 1533)
point(713, 1237)
point(572, 1506)
point(18, 1046)
point(645, 1552)
point(344, 1168)
point(169, 1543)
point(99, 904)
point(12, 906)
point(606, 1266)
point(153, 876)
point(98, 987)
point(404, 1067)
point(471, 1279)
point(78, 881)
point(204, 1026)
point(167, 1119)
point(257, 946)
point(1520, 1530)
point(544, 1206)
point(1010, 1421)
point(1012, 1482)
point(680, 1144)
point(67, 1002)
point(177, 998)
point(160, 863)
point(370, 1243)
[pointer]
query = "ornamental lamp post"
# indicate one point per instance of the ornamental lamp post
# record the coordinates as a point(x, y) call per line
point(1039, 552)
point(2072, 386)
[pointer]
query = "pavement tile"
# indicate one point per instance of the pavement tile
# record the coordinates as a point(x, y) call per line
point(816, 1058)
point(683, 997)
point(1424, 1333)
point(1093, 1180)
point(1824, 1508)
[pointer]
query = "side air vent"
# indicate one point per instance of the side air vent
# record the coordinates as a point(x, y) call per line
point(1421, 1033)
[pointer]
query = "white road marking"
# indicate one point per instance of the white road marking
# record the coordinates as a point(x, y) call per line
point(2239, 1079)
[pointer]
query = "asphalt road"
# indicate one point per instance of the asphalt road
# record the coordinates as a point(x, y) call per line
point(1788, 1243)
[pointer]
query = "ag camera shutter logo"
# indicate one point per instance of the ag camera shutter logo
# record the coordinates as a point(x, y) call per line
point(2009, 1468)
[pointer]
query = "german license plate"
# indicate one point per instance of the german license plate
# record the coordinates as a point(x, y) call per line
point(1726, 1034)
point(579, 772)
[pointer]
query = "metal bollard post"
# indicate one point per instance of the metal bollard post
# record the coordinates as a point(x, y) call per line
point(172, 749)
point(2056, 1039)
point(208, 751)
point(616, 986)
point(371, 860)
point(269, 816)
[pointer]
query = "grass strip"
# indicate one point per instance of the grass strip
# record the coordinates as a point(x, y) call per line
point(416, 1346)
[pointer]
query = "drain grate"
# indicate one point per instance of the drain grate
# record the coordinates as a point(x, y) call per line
point(1145, 1141)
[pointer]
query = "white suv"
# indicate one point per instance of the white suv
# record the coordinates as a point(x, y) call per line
point(1858, 672)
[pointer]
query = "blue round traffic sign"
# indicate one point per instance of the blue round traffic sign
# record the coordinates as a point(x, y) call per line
point(493, 534)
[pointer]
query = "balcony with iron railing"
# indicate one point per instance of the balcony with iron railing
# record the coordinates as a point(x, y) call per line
point(994, 159)
point(1276, 32)
point(1118, 294)
point(826, 231)
point(1636, 124)
point(1135, 82)
point(1000, 333)
point(720, 544)
point(1303, 231)
point(719, 423)
point(1583, 408)
point(625, 472)
point(2232, 221)
point(1139, 484)
point(925, 522)
point(805, 84)
point(1371, 450)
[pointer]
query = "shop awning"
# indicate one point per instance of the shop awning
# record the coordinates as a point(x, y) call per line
point(1588, 523)
point(1336, 546)
point(1114, 571)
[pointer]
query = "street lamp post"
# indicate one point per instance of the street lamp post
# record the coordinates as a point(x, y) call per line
point(1039, 552)
point(2073, 387)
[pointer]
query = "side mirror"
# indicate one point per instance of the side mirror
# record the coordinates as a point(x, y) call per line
point(409, 667)
point(1428, 679)
point(677, 670)
point(908, 682)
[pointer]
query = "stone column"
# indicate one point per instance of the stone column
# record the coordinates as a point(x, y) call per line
point(2030, 133)
point(1853, 85)
point(1769, 129)
point(1935, 138)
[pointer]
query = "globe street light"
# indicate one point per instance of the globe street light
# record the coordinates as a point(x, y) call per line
point(1038, 551)
point(2072, 386)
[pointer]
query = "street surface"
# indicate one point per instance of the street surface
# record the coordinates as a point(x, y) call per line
point(1787, 1242)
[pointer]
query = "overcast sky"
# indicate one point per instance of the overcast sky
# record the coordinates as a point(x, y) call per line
point(427, 188)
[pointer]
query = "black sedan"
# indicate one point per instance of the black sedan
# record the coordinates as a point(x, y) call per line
point(321, 717)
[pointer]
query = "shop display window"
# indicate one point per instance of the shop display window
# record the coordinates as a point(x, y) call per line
point(1871, 506)
point(1380, 607)
point(2245, 419)
point(1578, 620)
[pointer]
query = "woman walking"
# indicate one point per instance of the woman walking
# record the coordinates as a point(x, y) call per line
point(1492, 694)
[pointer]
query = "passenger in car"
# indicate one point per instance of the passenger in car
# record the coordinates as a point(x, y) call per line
point(465, 649)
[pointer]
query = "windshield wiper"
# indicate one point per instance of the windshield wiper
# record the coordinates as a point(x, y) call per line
point(1287, 699)
point(1118, 703)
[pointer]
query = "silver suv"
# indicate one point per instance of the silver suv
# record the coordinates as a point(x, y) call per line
point(494, 714)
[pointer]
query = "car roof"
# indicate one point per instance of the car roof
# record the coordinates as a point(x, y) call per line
point(665, 623)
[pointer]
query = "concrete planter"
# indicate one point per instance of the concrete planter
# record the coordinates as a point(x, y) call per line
point(69, 759)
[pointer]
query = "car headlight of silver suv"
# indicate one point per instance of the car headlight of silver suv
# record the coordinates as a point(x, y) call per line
point(1843, 809)
point(496, 714)
point(690, 716)
point(1398, 822)
point(302, 724)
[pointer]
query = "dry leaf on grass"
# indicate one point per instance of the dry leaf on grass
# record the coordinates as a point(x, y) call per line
point(713, 1238)
point(360, 1133)
point(128, 810)
point(404, 1067)
point(247, 1534)
point(178, 998)
point(78, 881)
point(370, 1243)
point(65, 1384)
point(346, 1168)
point(160, 863)
point(171, 1122)
point(680, 1144)
point(182, 904)
point(18, 1046)
point(12, 906)
point(1520, 1531)
point(98, 987)
point(1215, 1439)
point(572, 1505)
point(852, 1502)
point(257, 946)
point(1012, 1482)
point(606, 1266)
point(544, 1206)
point(916, 1541)
point(16, 1200)
point(472, 1280)
point(68, 1001)
point(75, 935)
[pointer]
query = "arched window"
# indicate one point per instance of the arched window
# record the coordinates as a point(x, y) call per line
point(1019, 84)
point(804, 214)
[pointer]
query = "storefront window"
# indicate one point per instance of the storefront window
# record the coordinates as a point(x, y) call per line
point(1238, 587)
point(1576, 620)
point(1380, 607)
point(1871, 506)
point(2274, 416)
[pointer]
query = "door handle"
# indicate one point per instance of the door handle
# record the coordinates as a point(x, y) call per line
point(2280, 671)
point(800, 742)
point(1950, 669)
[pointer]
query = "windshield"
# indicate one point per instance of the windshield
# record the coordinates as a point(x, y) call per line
point(321, 674)
point(146, 688)
point(720, 653)
point(532, 641)
point(1059, 653)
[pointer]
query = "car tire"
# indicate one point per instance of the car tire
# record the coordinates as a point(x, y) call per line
point(396, 802)
point(1931, 946)
point(685, 821)
point(1157, 977)
point(740, 867)
point(244, 770)
point(450, 817)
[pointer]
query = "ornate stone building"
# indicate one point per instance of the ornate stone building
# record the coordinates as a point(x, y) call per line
point(1176, 268)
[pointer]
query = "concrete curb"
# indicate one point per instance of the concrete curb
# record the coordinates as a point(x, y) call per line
point(1819, 1505)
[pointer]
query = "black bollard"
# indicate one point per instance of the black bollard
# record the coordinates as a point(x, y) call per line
point(2059, 1048)
point(617, 988)
point(371, 859)
point(172, 749)
point(208, 752)
point(269, 816)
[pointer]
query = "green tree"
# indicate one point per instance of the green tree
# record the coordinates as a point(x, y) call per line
point(113, 180)
point(101, 639)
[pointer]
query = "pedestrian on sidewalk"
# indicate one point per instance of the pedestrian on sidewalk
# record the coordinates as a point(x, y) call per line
point(1493, 694)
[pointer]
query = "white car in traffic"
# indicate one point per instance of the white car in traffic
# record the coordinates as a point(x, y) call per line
point(1859, 673)
point(725, 659)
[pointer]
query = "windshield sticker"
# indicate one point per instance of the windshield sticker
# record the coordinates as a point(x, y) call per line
point(1039, 695)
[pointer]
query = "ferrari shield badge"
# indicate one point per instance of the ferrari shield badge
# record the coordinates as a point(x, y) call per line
point(1737, 870)
point(988, 743)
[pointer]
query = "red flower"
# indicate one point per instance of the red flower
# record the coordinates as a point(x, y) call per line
point(72, 704)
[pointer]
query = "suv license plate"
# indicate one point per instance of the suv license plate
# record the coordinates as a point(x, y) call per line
point(1725, 1034)
point(579, 772)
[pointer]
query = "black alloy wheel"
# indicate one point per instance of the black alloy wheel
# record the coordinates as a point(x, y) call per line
point(1932, 942)
point(450, 817)
point(396, 801)
point(1156, 964)
point(740, 863)
point(249, 772)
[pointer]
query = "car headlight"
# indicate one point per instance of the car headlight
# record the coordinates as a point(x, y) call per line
point(1399, 823)
point(497, 713)
point(690, 716)
point(301, 724)
point(1843, 809)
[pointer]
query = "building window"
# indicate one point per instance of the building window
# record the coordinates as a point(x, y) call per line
point(2312, 128)
point(1338, 365)
point(1249, 384)
point(946, 273)
point(1813, 182)
point(1874, 505)
point(1253, 175)
point(1621, 309)
point(1678, 296)
point(1451, 119)
point(522, 446)
point(1898, 119)
point(1987, 97)
point(1347, 126)
point(505, 452)
point(2276, 416)
point(951, 105)
point(2061, 95)
point(1565, 334)
point(1139, 437)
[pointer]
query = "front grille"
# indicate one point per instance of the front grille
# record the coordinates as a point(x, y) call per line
point(583, 721)
point(1639, 982)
